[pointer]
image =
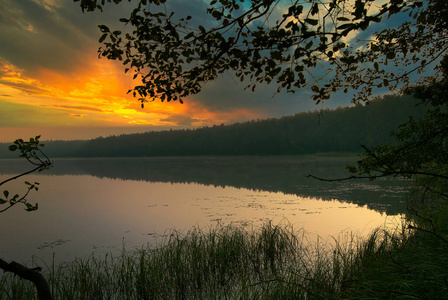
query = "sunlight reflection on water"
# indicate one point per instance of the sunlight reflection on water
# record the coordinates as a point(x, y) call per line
point(79, 215)
point(82, 214)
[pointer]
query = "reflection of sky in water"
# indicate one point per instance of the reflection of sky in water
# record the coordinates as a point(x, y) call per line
point(82, 214)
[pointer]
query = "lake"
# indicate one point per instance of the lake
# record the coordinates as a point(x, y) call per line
point(102, 205)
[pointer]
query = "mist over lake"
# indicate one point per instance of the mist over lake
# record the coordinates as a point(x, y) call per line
point(101, 205)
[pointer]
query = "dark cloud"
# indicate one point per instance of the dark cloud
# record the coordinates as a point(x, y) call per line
point(35, 37)
point(181, 120)
point(197, 9)
point(226, 95)
point(59, 38)
point(24, 87)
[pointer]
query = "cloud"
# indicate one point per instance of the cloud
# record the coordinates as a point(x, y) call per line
point(34, 37)
point(23, 86)
point(50, 74)
point(22, 115)
point(226, 96)
point(76, 115)
point(61, 25)
point(75, 107)
point(49, 4)
point(13, 77)
point(179, 120)
point(194, 8)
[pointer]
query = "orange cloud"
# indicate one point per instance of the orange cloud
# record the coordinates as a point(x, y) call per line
point(96, 92)
point(97, 89)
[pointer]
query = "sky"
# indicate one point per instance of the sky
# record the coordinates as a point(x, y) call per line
point(53, 84)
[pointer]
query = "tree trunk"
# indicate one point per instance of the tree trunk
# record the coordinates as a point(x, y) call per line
point(33, 275)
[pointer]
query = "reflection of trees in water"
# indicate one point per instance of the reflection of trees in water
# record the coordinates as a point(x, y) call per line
point(272, 174)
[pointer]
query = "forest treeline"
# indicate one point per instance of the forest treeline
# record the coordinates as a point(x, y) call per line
point(344, 129)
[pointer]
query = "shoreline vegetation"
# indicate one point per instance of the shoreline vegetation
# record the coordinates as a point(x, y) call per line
point(343, 129)
point(273, 262)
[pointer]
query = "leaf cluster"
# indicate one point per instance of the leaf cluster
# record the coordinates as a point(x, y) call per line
point(396, 56)
point(11, 201)
point(173, 59)
point(422, 149)
point(31, 151)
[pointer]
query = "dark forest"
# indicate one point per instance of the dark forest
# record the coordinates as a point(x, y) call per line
point(344, 129)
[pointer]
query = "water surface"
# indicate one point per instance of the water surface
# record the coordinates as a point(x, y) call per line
point(101, 205)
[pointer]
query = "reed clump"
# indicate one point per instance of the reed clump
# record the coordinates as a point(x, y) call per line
point(224, 262)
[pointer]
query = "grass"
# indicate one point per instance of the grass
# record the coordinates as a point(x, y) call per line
point(274, 262)
point(416, 268)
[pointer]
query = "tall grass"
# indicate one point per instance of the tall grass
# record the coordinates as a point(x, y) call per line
point(416, 268)
point(225, 262)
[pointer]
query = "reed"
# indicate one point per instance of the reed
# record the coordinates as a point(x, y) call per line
point(224, 262)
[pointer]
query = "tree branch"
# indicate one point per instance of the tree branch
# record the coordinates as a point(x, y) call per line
point(378, 176)
point(346, 178)
point(23, 174)
point(33, 275)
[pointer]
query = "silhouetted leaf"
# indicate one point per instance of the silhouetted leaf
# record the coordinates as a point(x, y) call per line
point(102, 38)
point(314, 9)
point(103, 28)
point(391, 55)
point(311, 21)
point(345, 26)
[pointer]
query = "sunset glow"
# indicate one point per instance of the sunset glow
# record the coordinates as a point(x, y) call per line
point(95, 95)
point(53, 84)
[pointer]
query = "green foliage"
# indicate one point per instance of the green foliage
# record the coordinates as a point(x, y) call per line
point(226, 262)
point(421, 151)
point(32, 152)
point(273, 262)
point(416, 269)
point(173, 59)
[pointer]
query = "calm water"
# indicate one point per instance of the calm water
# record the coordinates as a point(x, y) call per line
point(100, 205)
